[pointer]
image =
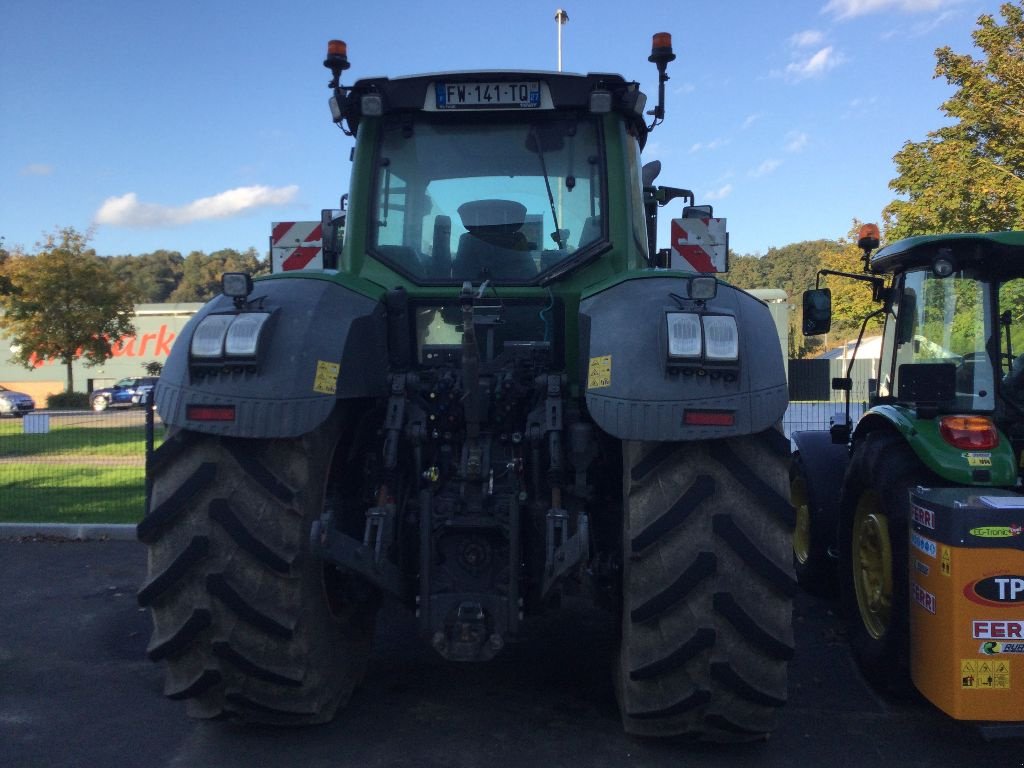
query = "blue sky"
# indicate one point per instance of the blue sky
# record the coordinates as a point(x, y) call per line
point(192, 125)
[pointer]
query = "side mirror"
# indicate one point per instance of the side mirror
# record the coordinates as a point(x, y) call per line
point(332, 233)
point(817, 311)
point(698, 212)
point(906, 322)
point(650, 172)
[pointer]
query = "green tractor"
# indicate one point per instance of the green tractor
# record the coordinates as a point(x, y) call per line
point(496, 394)
point(916, 513)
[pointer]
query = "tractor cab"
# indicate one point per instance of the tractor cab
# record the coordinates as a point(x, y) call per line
point(498, 177)
point(951, 350)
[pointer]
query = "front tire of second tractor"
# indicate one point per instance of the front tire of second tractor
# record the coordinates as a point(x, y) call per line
point(707, 588)
point(251, 623)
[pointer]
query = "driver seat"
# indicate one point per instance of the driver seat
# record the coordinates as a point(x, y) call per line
point(494, 246)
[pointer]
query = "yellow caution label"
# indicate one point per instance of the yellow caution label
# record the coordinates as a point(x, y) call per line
point(600, 372)
point(981, 674)
point(947, 562)
point(326, 379)
point(978, 459)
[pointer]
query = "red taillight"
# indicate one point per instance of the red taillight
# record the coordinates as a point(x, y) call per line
point(709, 418)
point(210, 412)
point(972, 433)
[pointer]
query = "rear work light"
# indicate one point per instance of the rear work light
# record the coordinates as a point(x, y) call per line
point(210, 412)
point(684, 336)
point(694, 337)
point(208, 338)
point(971, 433)
point(243, 336)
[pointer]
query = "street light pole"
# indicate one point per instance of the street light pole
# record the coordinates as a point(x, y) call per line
point(561, 17)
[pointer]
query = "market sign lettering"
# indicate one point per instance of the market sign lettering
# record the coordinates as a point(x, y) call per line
point(150, 345)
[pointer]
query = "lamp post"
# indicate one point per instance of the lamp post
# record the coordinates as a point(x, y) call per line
point(561, 17)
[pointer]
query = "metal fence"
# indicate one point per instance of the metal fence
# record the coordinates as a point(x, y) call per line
point(86, 467)
point(73, 466)
point(813, 404)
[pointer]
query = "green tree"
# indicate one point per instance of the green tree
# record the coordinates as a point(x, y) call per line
point(851, 299)
point(793, 268)
point(200, 279)
point(969, 176)
point(65, 302)
point(154, 276)
point(5, 282)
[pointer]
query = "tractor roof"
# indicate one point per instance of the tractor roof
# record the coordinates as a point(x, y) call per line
point(567, 90)
point(451, 93)
point(984, 249)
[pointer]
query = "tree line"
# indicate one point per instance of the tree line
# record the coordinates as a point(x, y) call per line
point(967, 176)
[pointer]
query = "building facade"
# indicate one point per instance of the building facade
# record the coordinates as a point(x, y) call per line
point(156, 325)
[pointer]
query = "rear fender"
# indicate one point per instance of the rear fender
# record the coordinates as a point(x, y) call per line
point(993, 467)
point(326, 343)
point(824, 465)
point(632, 391)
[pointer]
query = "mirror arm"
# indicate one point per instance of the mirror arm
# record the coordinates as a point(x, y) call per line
point(878, 289)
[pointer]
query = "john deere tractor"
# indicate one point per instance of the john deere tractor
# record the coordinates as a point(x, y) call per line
point(917, 510)
point(495, 395)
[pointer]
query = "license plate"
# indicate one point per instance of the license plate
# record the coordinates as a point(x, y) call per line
point(521, 95)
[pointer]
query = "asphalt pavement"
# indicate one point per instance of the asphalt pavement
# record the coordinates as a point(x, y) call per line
point(77, 690)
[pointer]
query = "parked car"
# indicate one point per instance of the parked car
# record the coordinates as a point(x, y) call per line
point(15, 403)
point(129, 391)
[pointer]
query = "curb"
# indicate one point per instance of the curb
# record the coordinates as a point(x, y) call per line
point(77, 532)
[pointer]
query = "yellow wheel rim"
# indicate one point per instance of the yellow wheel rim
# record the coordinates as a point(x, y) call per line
point(802, 531)
point(871, 552)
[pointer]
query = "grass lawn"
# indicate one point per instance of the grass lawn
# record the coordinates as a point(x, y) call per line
point(76, 473)
point(62, 493)
point(71, 440)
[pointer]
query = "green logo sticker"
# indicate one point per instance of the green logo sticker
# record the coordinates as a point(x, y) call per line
point(996, 531)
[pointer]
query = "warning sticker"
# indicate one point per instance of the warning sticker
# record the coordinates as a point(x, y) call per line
point(600, 372)
point(984, 674)
point(978, 459)
point(947, 562)
point(326, 379)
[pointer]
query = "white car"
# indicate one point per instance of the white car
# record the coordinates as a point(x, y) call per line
point(15, 403)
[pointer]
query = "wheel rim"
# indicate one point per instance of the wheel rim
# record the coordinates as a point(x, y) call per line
point(802, 531)
point(871, 551)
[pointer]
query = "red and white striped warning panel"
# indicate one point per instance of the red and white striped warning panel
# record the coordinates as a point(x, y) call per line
point(699, 245)
point(296, 245)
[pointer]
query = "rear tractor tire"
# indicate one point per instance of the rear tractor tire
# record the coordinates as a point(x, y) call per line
point(707, 589)
point(874, 557)
point(251, 624)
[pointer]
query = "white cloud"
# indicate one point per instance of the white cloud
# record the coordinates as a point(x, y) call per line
point(36, 169)
point(127, 211)
point(766, 167)
point(796, 141)
point(708, 145)
point(816, 65)
point(922, 28)
point(684, 89)
point(848, 9)
point(719, 194)
point(750, 120)
point(806, 39)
